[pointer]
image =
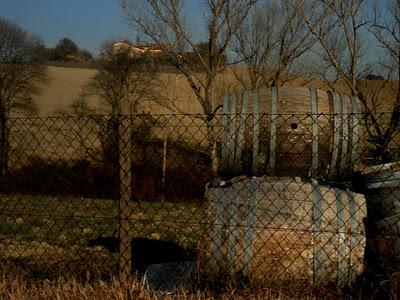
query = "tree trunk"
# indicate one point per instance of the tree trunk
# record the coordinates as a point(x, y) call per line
point(212, 146)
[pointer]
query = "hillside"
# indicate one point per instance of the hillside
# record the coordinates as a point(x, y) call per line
point(66, 84)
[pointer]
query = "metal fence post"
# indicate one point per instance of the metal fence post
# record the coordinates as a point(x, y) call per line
point(125, 177)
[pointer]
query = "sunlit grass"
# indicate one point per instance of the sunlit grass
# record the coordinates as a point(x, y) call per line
point(16, 288)
point(40, 235)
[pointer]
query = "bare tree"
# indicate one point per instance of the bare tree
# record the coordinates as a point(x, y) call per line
point(337, 25)
point(21, 76)
point(122, 79)
point(341, 30)
point(165, 23)
point(386, 29)
point(269, 43)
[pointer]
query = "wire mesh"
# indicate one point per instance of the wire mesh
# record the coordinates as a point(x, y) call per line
point(298, 198)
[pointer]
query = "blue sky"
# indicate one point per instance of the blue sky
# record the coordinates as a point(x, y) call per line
point(87, 22)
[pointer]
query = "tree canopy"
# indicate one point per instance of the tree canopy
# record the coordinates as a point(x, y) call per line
point(68, 50)
point(21, 67)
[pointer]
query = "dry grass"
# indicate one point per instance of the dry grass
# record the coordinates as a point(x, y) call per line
point(64, 87)
point(16, 288)
point(67, 83)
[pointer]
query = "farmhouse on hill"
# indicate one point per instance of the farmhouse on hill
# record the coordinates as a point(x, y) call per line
point(136, 50)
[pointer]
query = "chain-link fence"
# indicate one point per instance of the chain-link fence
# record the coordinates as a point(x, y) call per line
point(299, 198)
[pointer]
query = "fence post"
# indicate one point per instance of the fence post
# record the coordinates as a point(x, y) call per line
point(125, 179)
point(164, 167)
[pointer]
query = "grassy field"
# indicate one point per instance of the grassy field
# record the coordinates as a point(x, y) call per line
point(42, 234)
point(66, 84)
point(44, 253)
point(72, 289)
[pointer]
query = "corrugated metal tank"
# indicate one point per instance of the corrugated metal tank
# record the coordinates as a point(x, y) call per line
point(276, 229)
point(290, 131)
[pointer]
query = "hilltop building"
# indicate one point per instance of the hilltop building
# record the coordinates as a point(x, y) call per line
point(136, 50)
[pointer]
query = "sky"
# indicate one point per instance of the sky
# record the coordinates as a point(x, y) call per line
point(86, 22)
